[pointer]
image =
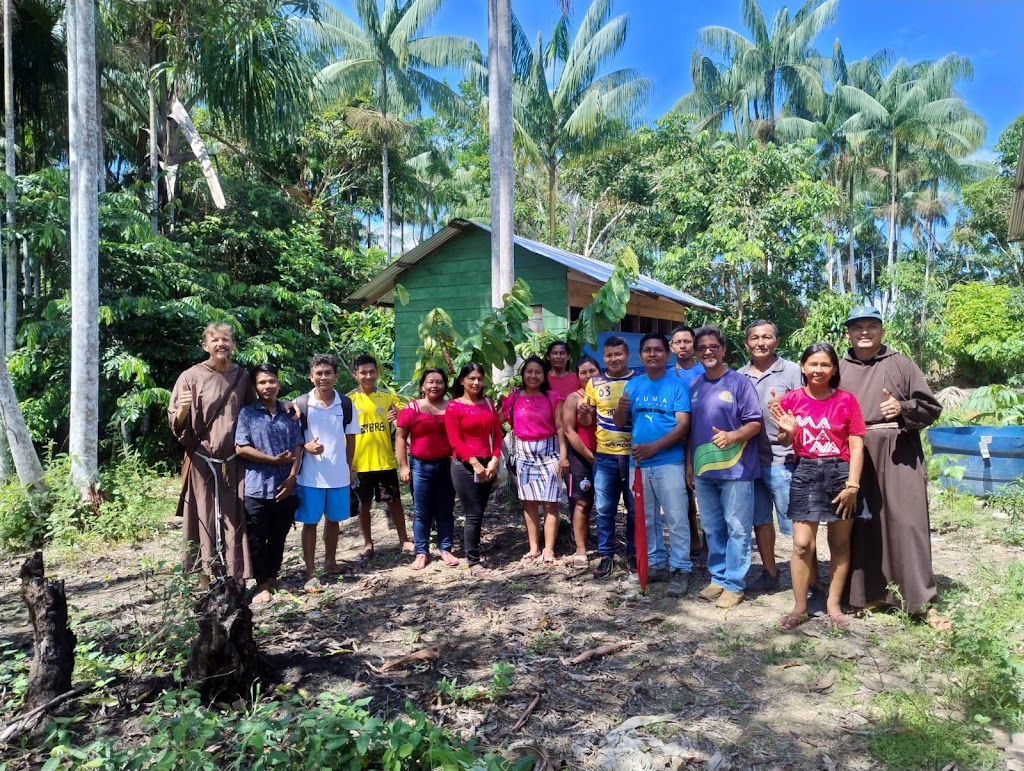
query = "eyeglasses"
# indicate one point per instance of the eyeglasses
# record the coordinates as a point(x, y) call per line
point(708, 348)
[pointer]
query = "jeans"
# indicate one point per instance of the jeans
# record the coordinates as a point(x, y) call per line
point(612, 482)
point(772, 491)
point(665, 504)
point(726, 512)
point(433, 501)
point(473, 497)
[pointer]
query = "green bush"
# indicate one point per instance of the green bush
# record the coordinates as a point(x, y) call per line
point(985, 336)
point(135, 501)
point(294, 732)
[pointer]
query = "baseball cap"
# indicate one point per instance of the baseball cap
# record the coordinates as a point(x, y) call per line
point(863, 312)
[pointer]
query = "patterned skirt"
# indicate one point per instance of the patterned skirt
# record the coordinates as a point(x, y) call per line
point(537, 470)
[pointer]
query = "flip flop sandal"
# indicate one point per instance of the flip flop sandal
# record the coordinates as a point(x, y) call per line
point(580, 561)
point(838, 621)
point(546, 561)
point(789, 622)
point(529, 559)
point(478, 571)
point(365, 556)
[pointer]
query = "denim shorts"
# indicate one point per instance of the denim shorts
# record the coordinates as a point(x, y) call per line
point(816, 482)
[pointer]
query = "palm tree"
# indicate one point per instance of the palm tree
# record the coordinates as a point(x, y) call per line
point(906, 116)
point(83, 130)
point(718, 94)
point(582, 111)
point(775, 66)
point(386, 54)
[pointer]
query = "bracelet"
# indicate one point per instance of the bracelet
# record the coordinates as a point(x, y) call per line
point(851, 484)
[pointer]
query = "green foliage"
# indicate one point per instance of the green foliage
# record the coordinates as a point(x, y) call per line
point(449, 688)
point(985, 330)
point(993, 405)
point(263, 265)
point(135, 501)
point(608, 307)
point(913, 737)
point(745, 226)
point(1010, 500)
point(986, 651)
point(278, 731)
point(825, 323)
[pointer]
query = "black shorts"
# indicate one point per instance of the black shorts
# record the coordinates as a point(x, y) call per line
point(382, 485)
point(580, 482)
point(816, 482)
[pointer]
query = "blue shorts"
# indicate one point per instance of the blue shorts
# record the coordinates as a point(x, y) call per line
point(316, 502)
point(771, 491)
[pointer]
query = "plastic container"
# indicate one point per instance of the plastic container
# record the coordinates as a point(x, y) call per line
point(992, 457)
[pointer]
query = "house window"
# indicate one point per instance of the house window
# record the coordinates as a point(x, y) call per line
point(536, 322)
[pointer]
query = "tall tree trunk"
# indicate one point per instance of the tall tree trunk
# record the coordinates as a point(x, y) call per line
point(894, 215)
point(852, 268)
point(83, 440)
point(552, 194)
point(386, 203)
point(499, 64)
point(10, 166)
point(154, 159)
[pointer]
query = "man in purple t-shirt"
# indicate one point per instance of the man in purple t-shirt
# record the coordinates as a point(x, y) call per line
point(723, 464)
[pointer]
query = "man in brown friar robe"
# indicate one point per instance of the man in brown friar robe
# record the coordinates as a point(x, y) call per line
point(203, 412)
point(894, 546)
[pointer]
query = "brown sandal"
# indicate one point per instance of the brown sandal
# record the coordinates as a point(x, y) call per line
point(478, 571)
point(789, 622)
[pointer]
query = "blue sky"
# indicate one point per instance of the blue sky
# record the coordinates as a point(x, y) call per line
point(662, 34)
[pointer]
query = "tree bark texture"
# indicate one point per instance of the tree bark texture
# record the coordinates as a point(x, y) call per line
point(225, 661)
point(84, 127)
point(499, 56)
point(53, 654)
point(10, 166)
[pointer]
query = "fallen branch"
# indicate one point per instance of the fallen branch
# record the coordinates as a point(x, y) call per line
point(526, 713)
point(429, 655)
point(23, 723)
point(601, 650)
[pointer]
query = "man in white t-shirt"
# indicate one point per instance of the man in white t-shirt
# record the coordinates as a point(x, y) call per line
point(326, 473)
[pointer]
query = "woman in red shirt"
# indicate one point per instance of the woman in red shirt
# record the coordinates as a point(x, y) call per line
point(424, 462)
point(579, 446)
point(826, 429)
point(474, 432)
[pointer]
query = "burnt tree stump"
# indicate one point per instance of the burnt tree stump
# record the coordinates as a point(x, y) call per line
point(53, 653)
point(225, 662)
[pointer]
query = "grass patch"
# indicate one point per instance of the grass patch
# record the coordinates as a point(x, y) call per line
point(912, 736)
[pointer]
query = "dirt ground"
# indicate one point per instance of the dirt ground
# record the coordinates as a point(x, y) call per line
point(705, 688)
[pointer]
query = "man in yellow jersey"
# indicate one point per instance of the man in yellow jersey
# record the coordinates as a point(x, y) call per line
point(375, 461)
point(611, 461)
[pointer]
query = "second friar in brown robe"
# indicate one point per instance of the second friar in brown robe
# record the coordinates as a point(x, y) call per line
point(894, 546)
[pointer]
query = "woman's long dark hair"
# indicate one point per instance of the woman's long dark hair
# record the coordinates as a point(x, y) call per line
point(433, 371)
point(457, 388)
point(813, 348)
point(544, 387)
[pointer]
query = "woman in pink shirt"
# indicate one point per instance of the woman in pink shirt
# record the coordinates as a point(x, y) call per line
point(826, 429)
point(474, 432)
point(424, 462)
point(562, 380)
point(532, 412)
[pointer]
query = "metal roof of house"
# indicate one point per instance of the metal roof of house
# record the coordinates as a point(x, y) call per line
point(380, 288)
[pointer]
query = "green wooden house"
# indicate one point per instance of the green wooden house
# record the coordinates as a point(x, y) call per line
point(452, 270)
